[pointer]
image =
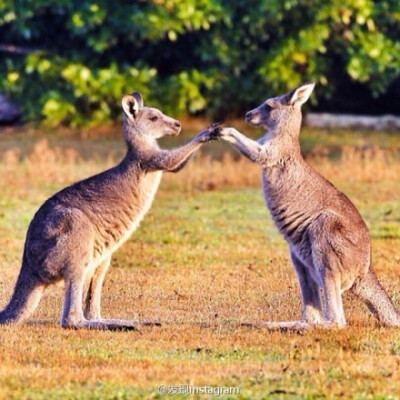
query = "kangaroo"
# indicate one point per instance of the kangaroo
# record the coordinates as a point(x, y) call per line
point(329, 243)
point(75, 232)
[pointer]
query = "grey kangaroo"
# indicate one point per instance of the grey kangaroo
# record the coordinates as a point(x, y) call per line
point(75, 232)
point(328, 240)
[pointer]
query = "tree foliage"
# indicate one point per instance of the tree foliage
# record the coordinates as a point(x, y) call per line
point(70, 61)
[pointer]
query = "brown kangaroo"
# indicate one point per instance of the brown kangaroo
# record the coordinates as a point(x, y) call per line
point(328, 240)
point(75, 232)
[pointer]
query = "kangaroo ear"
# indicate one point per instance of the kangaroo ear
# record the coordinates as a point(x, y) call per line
point(131, 104)
point(300, 95)
point(138, 98)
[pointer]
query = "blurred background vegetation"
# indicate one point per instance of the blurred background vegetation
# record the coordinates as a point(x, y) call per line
point(69, 62)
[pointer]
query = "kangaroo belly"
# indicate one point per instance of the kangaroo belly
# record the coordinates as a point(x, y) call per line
point(148, 188)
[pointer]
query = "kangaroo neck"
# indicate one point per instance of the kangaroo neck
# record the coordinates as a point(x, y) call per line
point(281, 147)
point(285, 165)
point(130, 162)
point(139, 151)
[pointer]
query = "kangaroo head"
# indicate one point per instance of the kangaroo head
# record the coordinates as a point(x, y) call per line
point(275, 112)
point(146, 121)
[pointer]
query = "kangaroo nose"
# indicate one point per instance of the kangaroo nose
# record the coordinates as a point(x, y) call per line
point(248, 115)
point(177, 124)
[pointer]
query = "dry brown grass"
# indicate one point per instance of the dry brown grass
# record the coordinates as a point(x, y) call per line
point(358, 164)
point(55, 164)
point(206, 258)
point(366, 165)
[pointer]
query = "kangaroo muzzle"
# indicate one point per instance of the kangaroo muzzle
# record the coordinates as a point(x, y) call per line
point(176, 128)
point(252, 117)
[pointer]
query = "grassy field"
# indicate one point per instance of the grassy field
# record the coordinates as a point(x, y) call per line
point(206, 258)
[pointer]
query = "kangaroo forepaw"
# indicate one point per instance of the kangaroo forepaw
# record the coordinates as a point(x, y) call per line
point(214, 131)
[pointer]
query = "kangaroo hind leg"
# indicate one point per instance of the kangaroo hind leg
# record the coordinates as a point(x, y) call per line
point(311, 302)
point(92, 291)
point(73, 315)
point(310, 295)
point(333, 313)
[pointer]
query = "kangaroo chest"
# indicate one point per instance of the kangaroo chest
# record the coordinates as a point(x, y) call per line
point(288, 203)
point(122, 220)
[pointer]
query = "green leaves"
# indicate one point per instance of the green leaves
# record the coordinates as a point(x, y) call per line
point(75, 60)
point(374, 59)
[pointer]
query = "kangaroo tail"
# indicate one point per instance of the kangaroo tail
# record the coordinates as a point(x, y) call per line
point(27, 293)
point(370, 291)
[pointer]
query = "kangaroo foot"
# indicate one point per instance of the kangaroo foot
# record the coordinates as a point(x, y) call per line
point(110, 324)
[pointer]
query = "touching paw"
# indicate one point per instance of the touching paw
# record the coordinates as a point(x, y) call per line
point(215, 130)
point(212, 132)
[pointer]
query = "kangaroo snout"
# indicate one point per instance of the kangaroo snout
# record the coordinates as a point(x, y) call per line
point(253, 117)
point(177, 127)
point(248, 116)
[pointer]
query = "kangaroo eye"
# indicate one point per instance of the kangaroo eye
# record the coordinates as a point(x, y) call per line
point(268, 107)
point(155, 118)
